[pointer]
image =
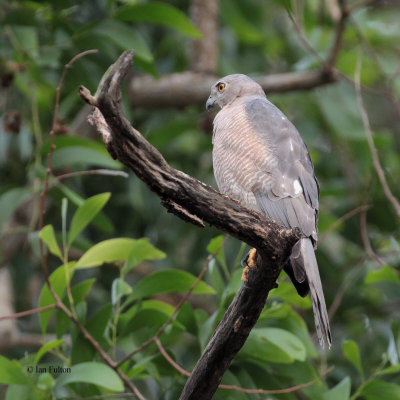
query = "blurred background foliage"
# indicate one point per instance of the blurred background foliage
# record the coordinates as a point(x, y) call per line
point(359, 230)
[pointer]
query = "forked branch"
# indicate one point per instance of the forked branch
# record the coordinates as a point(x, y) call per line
point(196, 202)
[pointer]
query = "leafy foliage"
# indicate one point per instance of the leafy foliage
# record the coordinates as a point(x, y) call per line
point(120, 263)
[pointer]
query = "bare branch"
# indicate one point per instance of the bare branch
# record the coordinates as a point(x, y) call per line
point(177, 308)
point(278, 391)
point(374, 152)
point(273, 243)
point(362, 4)
point(58, 302)
point(365, 239)
point(329, 63)
point(23, 340)
point(187, 88)
point(347, 283)
point(342, 219)
point(169, 359)
point(238, 388)
point(50, 156)
point(93, 172)
point(337, 42)
point(28, 312)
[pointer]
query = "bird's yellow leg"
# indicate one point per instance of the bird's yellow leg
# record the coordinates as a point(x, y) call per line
point(245, 273)
point(251, 263)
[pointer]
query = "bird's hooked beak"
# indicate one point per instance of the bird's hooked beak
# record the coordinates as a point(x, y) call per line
point(210, 103)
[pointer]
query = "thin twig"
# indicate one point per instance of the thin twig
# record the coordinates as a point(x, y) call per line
point(362, 4)
point(28, 312)
point(277, 391)
point(238, 388)
point(330, 61)
point(169, 359)
point(93, 172)
point(365, 239)
point(342, 290)
point(337, 42)
point(178, 306)
point(342, 219)
point(304, 40)
point(374, 152)
point(99, 349)
point(50, 157)
point(388, 92)
point(117, 396)
point(58, 303)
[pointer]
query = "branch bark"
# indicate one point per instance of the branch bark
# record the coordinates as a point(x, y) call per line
point(196, 202)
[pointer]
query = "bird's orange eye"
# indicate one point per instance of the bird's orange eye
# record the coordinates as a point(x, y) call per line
point(221, 87)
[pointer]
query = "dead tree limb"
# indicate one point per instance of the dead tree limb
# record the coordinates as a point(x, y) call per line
point(196, 202)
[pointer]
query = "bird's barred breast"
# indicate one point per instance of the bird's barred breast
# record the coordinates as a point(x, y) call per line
point(242, 162)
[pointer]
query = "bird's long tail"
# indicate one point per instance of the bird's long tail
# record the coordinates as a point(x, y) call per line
point(304, 256)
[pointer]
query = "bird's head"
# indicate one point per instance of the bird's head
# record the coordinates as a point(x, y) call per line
point(230, 87)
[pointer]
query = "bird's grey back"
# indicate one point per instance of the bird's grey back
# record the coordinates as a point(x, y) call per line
point(271, 168)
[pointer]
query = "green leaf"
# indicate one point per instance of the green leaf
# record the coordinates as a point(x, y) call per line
point(168, 280)
point(378, 390)
point(101, 221)
point(27, 38)
point(287, 292)
point(94, 373)
point(65, 141)
point(187, 317)
point(352, 353)
point(118, 249)
point(20, 392)
point(244, 29)
point(59, 284)
point(48, 236)
point(96, 325)
point(230, 378)
point(140, 251)
point(150, 320)
point(10, 201)
point(125, 37)
point(119, 289)
point(80, 290)
point(158, 305)
point(339, 392)
point(292, 322)
point(64, 211)
point(339, 108)
point(68, 156)
point(85, 214)
point(393, 369)
point(275, 345)
point(215, 277)
point(46, 348)
point(385, 273)
point(45, 381)
point(213, 247)
point(158, 13)
point(11, 372)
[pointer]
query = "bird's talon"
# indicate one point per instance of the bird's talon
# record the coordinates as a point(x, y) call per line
point(251, 258)
point(245, 274)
